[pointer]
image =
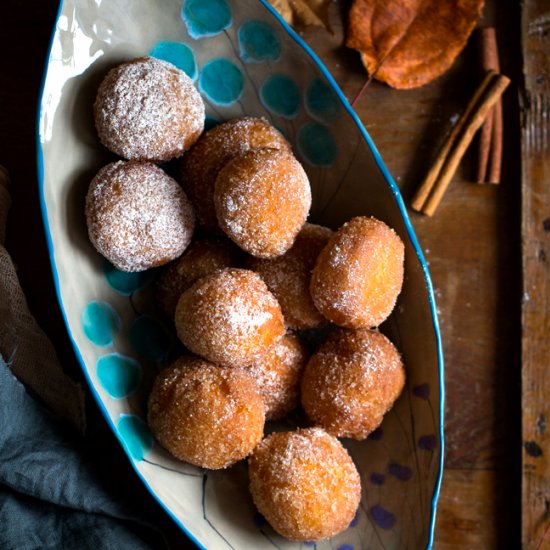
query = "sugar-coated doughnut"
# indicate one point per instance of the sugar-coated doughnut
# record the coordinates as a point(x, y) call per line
point(262, 199)
point(359, 274)
point(138, 217)
point(202, 257)
point(207, 415)
point(229, 317)
point(305, 484)
point(351, 382)
point(215, 148)
point(289, 276)
point(148, 109)
point(278, 374)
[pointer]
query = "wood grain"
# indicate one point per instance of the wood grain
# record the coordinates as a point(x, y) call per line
point(535, 229)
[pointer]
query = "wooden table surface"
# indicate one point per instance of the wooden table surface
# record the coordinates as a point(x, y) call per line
point(472, 243)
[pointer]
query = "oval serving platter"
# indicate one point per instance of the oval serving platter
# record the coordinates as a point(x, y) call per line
point(244, 60)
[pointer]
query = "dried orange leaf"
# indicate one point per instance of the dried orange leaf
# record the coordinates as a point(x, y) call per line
point(284, 9)
point(408, 43)
point(304, 12)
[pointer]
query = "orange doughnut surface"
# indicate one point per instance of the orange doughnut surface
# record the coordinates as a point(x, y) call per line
point(215, 148)
point(289, 276)
point(229, 317)
point(278, 374)
point(351, 382)
point(207, 415)
point(148, 109)
point(359, 274)
point(262, 200)
point(305, 484)
point(138, 217)
point(202, 257)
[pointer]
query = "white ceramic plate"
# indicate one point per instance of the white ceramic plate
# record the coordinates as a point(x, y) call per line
point(245, 61)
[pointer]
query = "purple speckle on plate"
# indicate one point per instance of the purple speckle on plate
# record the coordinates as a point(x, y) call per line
point(377, 479)
point(355, 519)
point(422, 391)
point(382, 517)
point(427, 442)
point(403, 473)
point(345, 547)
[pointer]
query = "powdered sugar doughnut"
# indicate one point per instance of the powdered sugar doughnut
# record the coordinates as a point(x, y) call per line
point(262, 200)
point(289, 275)
point(207, 415)
point(138, 217)
point(148, 109)
point(351, 382)
point(359, 274)
point(229, 317)
point(278, 374)
point(305, 484)
point(215, 148)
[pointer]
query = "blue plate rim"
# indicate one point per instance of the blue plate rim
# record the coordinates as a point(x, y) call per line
point(396, 193)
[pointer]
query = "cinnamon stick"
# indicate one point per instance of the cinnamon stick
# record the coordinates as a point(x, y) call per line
point(425, 188)
point(490, 140)
point(498, 83)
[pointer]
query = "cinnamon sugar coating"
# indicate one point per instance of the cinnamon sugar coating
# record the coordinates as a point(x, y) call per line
point(278, 374)
point(207, 415)
point(289, 276)
point(138, 217)
point(229, 317)
point(202, 257)
point(215, 148)
point(262, 200)
point(359, 274)
point(305, 484)
point(351, 382)
point(148, 109)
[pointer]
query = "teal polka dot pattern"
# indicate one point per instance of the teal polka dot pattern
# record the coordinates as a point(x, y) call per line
point(151, 338)
point(100, 323)
point(118, 374)
point(281, 95)
point(258, 41)
point(205, 17)
point(178, 54)
point(127, 283)
point(321, 101)
point(316, 144)
point(221, 81)
point(135, 435)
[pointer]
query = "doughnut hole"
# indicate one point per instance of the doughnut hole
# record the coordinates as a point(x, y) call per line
point(262, 200)
point(351, 382)
point(289, 276)
point(202, 257)
point(278, 374)
point(229, 317)
point(206, 415)
point(215, 148)
point(359, 274)
point(305, 484)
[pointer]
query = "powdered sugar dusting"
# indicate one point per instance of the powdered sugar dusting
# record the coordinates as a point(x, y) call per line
point(229, 317)
point(138, 217)
point(148, 109)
